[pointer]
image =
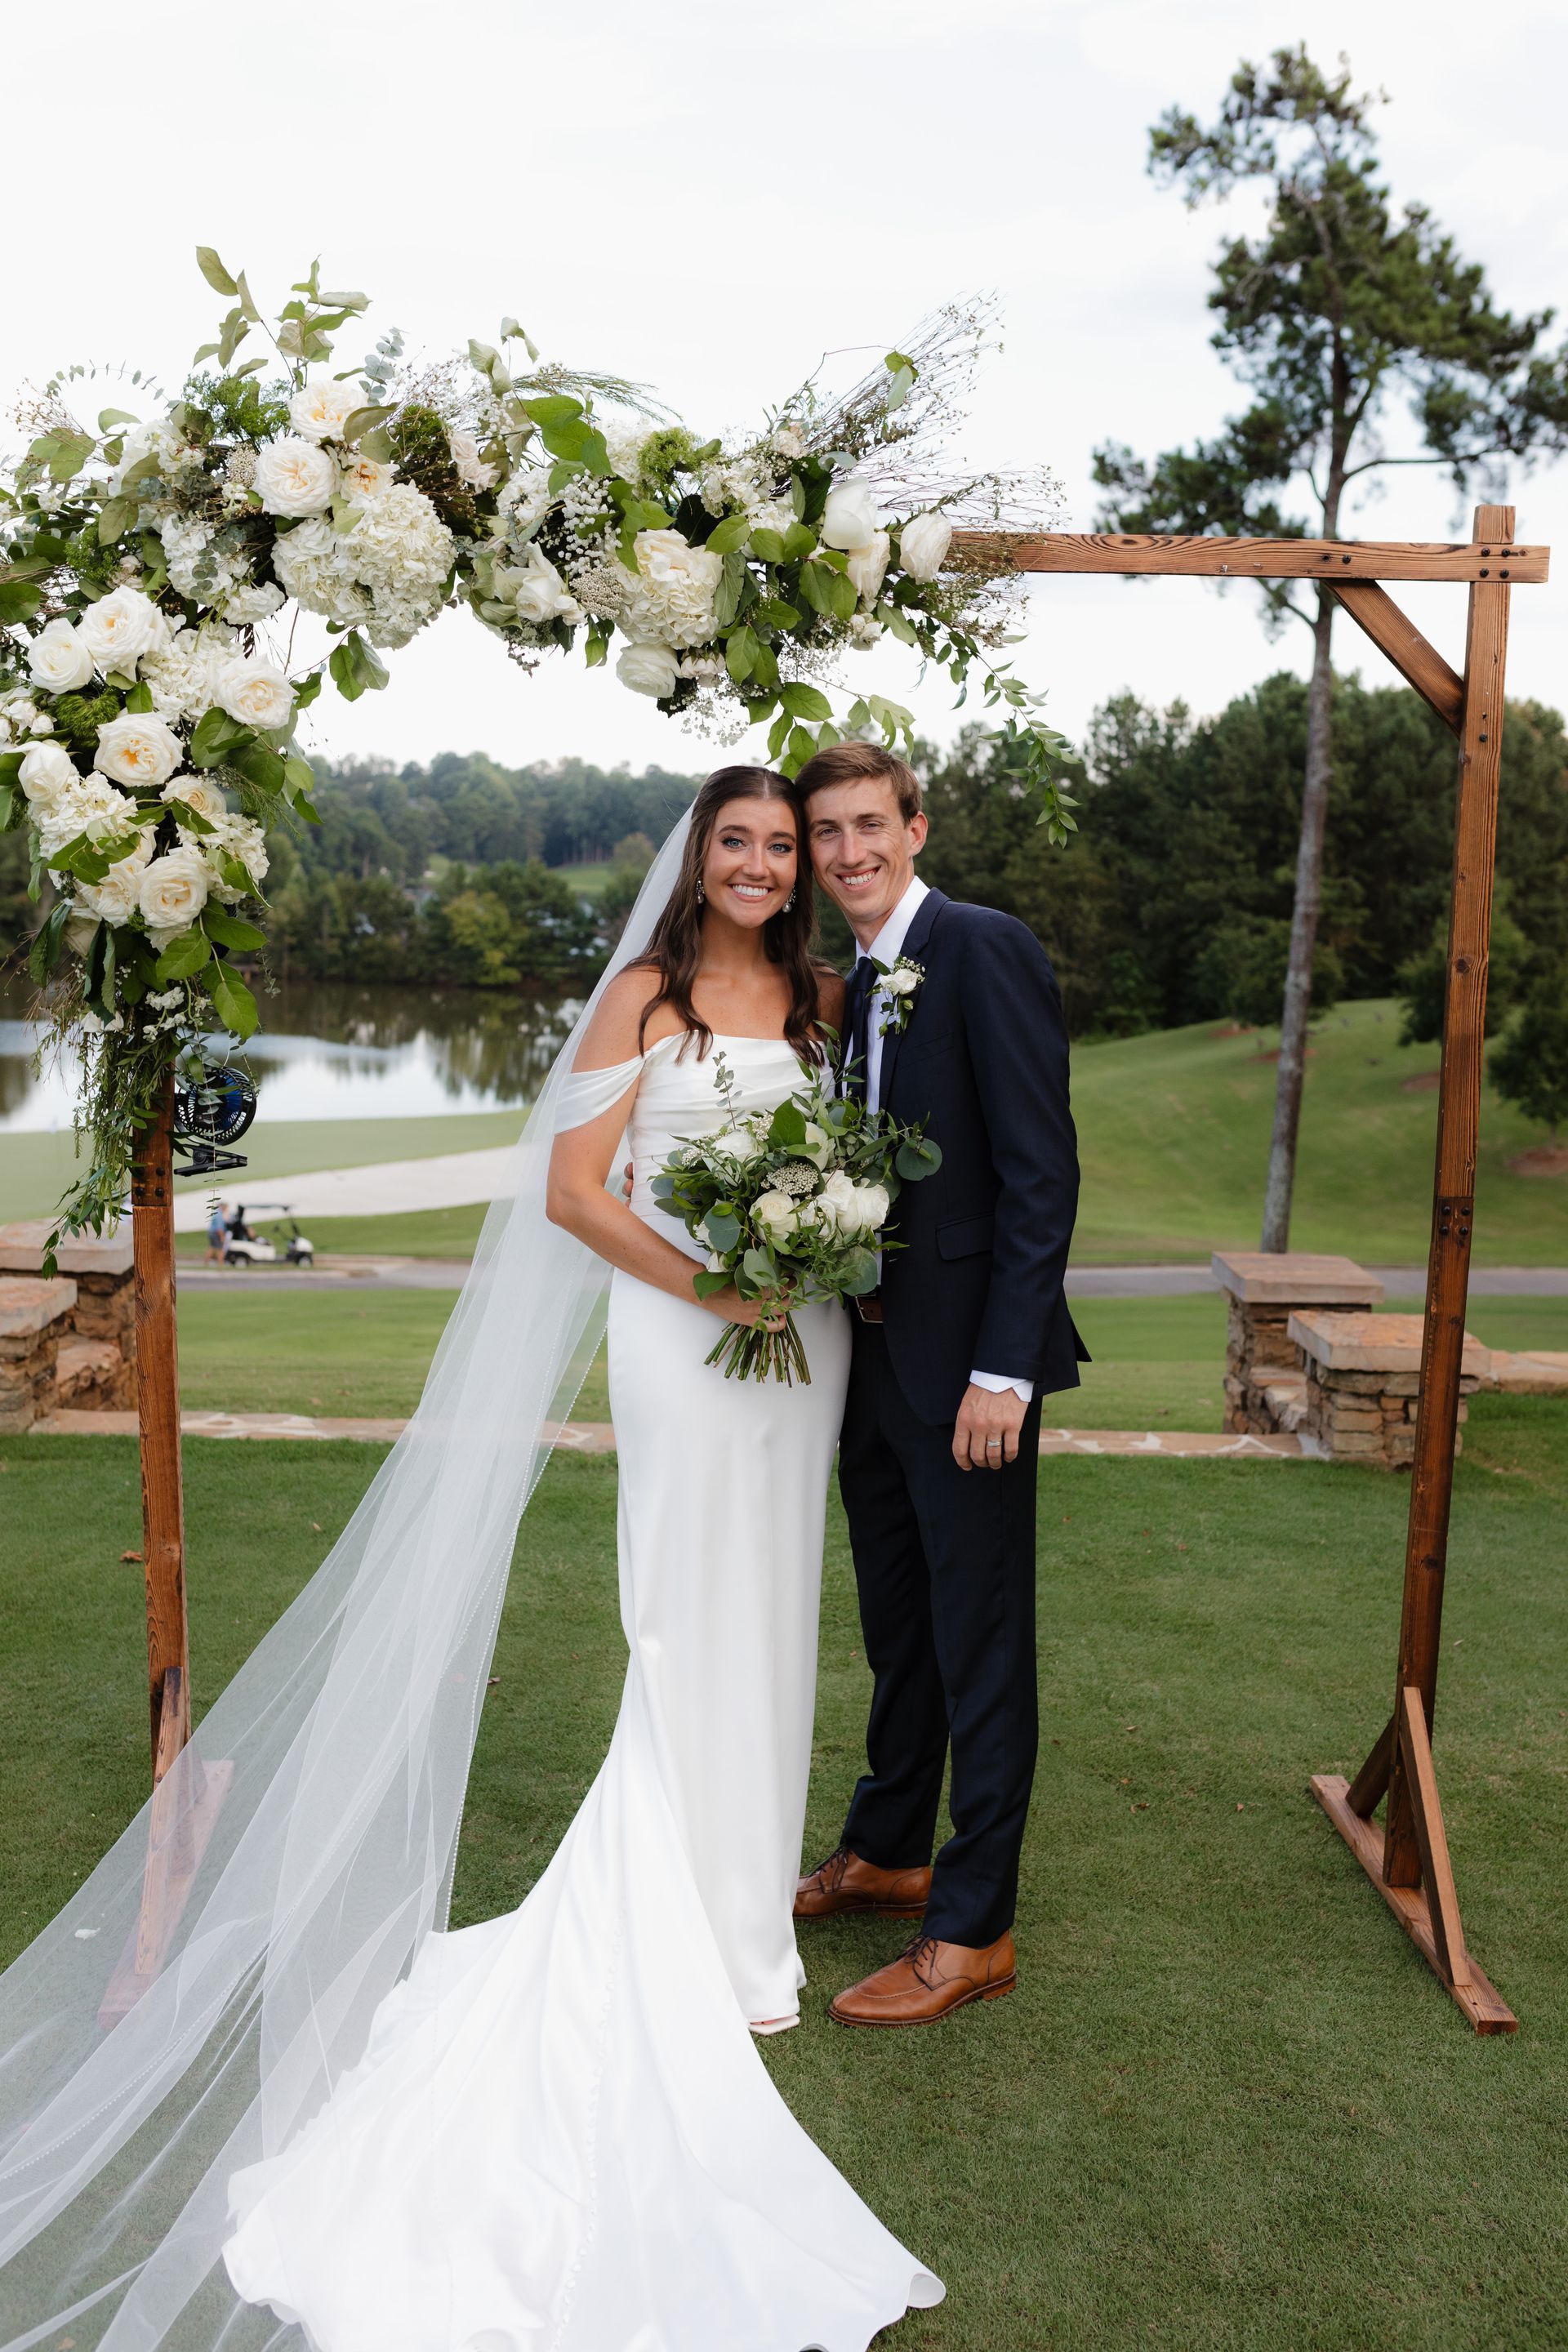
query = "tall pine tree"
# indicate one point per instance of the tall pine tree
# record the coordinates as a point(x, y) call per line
point(1341, 310)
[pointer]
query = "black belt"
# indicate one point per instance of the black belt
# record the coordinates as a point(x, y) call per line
point(868, 1307)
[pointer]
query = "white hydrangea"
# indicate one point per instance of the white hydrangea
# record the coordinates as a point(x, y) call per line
point(202, 572)
point(91, 805)
point(625, 448)
point(671, 601)
point(527, 497)
point(242, 838)
point(310, 562)
point(401, 552)
point(181, 679)
point(253, 603)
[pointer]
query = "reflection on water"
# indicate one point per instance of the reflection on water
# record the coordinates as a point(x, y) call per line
point(328, 1050)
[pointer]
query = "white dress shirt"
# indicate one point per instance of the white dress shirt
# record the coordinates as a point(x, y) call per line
point(885, 949)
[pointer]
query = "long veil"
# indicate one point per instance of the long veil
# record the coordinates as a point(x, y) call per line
point(345, 1743)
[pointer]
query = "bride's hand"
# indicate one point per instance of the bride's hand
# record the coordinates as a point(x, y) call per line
point(731, 1307)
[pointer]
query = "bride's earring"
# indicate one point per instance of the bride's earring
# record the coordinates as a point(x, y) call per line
point(701, 893)
point(789, 902)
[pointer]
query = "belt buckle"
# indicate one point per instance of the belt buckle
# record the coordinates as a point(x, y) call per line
point(868, 1307)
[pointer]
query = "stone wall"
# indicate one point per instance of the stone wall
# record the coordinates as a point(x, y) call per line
point(96, 1342)
point(1265, 1385)
point(1363, 1379)
point(33, 1318)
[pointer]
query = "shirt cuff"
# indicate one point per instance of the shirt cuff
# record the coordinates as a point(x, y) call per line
point(997, 1381)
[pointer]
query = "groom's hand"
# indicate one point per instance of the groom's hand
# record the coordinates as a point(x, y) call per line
point(986, 1433)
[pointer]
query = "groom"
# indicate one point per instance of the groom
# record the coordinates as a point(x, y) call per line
point(967, 1331)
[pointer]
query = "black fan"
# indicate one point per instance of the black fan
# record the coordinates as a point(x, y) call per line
point(217, 1112)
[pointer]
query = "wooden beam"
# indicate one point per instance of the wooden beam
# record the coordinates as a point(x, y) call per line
point(1396, 636)
point(1492, 559)
point(1477, 1997)
point(1437, 1871)
point(1459, 1120)
point(158, 1414)
point(1367, 1788)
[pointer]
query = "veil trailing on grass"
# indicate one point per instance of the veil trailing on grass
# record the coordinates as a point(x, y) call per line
point(310, 1826)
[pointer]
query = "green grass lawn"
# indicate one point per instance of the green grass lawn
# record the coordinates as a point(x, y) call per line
point(1228, 2108)
point(416, 1233)
point(1158, 1362)
point(1173, 1135)
point(36, 1169)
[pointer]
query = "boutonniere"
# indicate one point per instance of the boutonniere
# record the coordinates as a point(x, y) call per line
point(896, 984)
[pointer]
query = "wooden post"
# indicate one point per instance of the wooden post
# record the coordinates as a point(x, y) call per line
point(1453, 1188)
point(158, 1414)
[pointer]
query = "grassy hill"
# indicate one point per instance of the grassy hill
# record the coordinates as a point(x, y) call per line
point(1173, 1135)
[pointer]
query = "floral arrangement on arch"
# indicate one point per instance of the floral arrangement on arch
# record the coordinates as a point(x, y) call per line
point(152, 570)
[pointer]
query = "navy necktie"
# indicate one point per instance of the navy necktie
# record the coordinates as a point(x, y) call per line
point(858, 1025)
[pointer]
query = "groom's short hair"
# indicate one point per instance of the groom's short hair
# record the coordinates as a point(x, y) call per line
point(851, 763)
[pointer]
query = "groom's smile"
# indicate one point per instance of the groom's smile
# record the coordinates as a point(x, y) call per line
point(863, 849)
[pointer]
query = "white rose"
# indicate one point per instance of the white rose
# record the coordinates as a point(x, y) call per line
point(366, 477)
point(137, 748)
point(850, 518)
point(472, 467)
point(118, 896)
point(924, 544)
point(541, 592)
point(119, 628)
point(319, 410)
point(741, 1146)
point(293, 476)
point(772, 1213)
point(45, 773)
point(900, 983)
point(866, 565)
point(871, 1204)
point(198, 792)
point(173, 891)
point(816, 1146)
point(58, 660)
point(837, 1203)
point(255, 693)
point(649, 669)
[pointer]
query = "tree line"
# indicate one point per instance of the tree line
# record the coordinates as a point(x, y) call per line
point(1172, 905)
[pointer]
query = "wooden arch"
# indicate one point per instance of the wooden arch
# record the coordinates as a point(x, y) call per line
point(1407, 1860)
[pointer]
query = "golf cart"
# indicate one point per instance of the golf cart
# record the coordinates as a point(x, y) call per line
point(244, 1247)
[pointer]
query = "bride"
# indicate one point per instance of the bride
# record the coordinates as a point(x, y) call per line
point(551, 2131)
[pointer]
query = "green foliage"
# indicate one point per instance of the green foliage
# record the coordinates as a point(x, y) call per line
point(237, 407)
point(416, 439)
point(78, 717)
point(1423, 978)
point(1530, 1067)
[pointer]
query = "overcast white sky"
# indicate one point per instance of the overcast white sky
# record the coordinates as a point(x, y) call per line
point(706, 194)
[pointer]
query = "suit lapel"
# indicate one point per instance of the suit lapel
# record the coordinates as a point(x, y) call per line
point(919, 931)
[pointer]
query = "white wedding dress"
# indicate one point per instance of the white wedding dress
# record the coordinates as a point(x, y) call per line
point(561, 2137)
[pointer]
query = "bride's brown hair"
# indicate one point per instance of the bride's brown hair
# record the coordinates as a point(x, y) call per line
point(675, 950)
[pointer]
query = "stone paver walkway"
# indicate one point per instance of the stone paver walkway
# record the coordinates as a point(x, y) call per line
point(599, 1436)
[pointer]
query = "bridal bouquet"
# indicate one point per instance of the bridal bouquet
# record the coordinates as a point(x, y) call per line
point(792, 1208)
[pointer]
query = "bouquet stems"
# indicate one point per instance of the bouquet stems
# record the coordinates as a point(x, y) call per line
point(750, 1353)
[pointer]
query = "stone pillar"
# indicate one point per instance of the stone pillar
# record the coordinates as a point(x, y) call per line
point(32, 1314)
point(1264, 1386)
point(96, 1363)
point(1362, 1376)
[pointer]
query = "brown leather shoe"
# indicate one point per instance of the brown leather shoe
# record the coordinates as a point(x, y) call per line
point(844, 1883)
point(928, 1980)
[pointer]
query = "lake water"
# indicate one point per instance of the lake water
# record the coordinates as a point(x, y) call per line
point(328, 1050)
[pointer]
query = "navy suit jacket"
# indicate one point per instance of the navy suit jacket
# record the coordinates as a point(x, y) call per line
point(982, 1064)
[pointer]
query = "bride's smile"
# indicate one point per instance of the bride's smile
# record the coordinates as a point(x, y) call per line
point(749, 873)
